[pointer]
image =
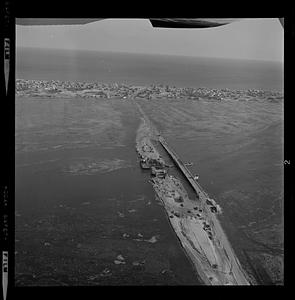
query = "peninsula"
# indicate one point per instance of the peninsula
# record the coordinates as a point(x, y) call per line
point(194, 221)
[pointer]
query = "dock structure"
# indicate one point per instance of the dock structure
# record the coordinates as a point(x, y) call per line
point(187, 173)
point(199, 231)
point(237, 271)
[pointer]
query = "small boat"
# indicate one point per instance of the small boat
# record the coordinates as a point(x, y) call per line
point(196, 177)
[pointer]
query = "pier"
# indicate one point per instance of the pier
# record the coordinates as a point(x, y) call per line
point(188, 175)
point(194, 221)
point(236, 269)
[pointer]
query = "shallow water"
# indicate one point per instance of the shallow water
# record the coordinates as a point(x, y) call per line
point(237, 149)
point(80, 190)
point(82, 200)
point(146, 69)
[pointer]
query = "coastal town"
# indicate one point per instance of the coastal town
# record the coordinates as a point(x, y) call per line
point(71, 89)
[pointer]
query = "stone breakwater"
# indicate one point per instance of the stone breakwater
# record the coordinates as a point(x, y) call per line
point(69, 89)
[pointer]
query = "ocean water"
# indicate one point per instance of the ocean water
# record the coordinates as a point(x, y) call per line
point(142, 69)
point(82, 200)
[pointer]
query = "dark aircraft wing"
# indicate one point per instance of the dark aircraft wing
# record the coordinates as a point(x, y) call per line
point(191, 23)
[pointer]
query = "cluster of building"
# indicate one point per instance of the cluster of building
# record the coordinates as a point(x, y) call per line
point(56, 88)
point(148, 162)
point(159, 172)
point(149, 157)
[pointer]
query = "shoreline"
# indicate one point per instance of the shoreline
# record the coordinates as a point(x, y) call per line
point(72, 89)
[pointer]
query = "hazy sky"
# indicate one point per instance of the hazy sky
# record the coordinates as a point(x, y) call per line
point(260, 39)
